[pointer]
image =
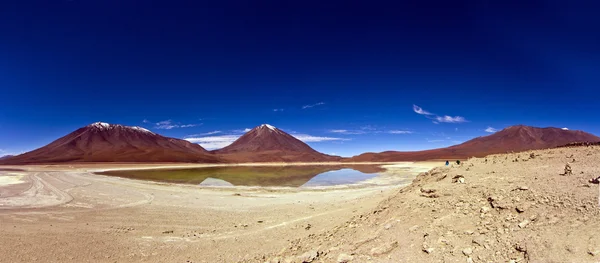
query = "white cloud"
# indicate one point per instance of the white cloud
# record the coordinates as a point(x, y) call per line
point(433, 141)
point(450, 119)
point(491, 130)
point(420, 110)
point(399, 132)
point(204, 134)
point(310, 138)
point(438, 119)
point(312, 105)
point(276, 110)
point(168, 124)
point(146, 121)
point(565, 129)
point(247, 130)
point(213, 142)
point(347, 131)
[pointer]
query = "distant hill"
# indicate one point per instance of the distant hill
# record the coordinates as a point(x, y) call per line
point(103, 142)
point(512, 139)
point(6, 157)
point(266, 143)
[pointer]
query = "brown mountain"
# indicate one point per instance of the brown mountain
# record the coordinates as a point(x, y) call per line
point(6, 157)
point(512, 139)
point(103, 142)
point(266, 143)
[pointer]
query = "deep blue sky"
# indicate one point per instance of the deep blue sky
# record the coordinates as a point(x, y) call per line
point(227, 65)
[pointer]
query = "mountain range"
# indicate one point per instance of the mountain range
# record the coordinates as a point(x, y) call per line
point(103, 142)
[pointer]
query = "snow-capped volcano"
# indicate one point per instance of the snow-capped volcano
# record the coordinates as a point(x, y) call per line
point(104, 142)
point(266, 143)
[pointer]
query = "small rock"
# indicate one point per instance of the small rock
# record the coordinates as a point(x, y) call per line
point(522, 207)
point(384, 249)
point(427, 190)
point(469, 260)
point(309, 256)
point(168, 232)
point(469, 232)
point(387, 226)
point(344, 258)
point(594, 252)
point(484, 209)
point(524, 223)
point(428, 250)
point(523, 188)
point(467, 251)
point(479, 240)
point(520, 247)
point(457, 178)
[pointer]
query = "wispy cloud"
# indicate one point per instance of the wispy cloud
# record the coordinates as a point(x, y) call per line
point(169, 124)
point(436, 119)
point(276, 110)
point(450, 119)
point(491, 130)
point(204, 134)
point(312, 105)
point(247, 130)
point(369, 129)
point(310, 138)
point(146, 121)
point(348, 132)
point(213, 142)
point(565, 129)
point(399, 132)
point(420, 110)
point(433, 141)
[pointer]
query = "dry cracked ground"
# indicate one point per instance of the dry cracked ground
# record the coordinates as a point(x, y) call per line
point(518, 207)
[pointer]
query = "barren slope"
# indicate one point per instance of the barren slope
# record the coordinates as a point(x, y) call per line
point(103, 142)
point(512, 139)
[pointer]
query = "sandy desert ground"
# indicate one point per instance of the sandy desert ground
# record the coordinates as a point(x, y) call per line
point(64, 213)
point(502, 208)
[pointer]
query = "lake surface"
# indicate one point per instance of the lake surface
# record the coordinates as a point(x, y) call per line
point(266, 176)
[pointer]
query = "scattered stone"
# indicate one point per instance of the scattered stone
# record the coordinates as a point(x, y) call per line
point(484, 209)
point(458, 179)
point(309, 256)
point(594, 252)
point(308, 227)
point(428, 250)
point(479, 240)
point(469, 232)
point(168, 232)
point(259, 221)
point(523, 188)
point(595, 180)
point(344, 258)
point(469, 260)
point(568, 170)
point(522, 207)
point(387, 226)
point(427, 190)
point(521, 248)
point(384, 249)
point(524, 223)
point(467, 251)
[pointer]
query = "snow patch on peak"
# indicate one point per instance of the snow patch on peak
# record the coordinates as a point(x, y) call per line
point(141, 129)
point(268, 126)
point(103, 126)
point(100, 125)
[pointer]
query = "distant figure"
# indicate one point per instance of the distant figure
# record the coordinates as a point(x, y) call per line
point(458, 162)
point(447, 163)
